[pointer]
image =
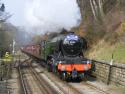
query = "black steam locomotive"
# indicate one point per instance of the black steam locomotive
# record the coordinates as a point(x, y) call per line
point(64, 56)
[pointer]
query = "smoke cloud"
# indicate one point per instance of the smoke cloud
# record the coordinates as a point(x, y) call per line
point(52, 15)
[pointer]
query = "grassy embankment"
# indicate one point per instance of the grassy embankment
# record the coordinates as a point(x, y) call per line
point(110, 44)
point(104, 51)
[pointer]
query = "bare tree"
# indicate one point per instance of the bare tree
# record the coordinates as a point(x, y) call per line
point(93, 9)
point(4, 15)
point(100, 2)
point(2, 8)
point(97, 8)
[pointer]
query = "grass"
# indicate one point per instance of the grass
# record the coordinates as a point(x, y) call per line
point(119, 53)
point(104, 51)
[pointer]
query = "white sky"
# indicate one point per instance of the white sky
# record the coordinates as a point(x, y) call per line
point(16, 8)
point(45, 15)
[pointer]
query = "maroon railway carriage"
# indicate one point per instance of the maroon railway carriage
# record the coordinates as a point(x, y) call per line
point(32, 49)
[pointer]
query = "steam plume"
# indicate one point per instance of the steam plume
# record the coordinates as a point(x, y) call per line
point(52, 15)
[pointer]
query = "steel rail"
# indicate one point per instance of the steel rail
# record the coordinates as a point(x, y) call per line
point(44, 85)
point(23, 84)
point(95, 87)
point(76, 91)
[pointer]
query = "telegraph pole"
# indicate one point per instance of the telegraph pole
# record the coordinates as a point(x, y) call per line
point(13, 46)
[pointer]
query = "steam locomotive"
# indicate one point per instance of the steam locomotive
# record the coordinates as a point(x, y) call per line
point(64, 56)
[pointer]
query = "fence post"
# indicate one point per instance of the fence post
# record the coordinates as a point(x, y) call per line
point(110, 70)
point(109, 74)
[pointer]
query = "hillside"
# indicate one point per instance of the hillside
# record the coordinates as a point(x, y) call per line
point(103, 25)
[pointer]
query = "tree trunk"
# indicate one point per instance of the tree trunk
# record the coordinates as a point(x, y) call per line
point(93, 9)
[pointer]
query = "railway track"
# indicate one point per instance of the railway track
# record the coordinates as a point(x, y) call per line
point(95, 87)
point(33, 83)
point(68, 89)
point(43, 85)
point(88, 88)
point(24, 85)
point(64, 87)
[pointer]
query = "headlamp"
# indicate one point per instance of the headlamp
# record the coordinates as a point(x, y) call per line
point(88, 62)
point(86, 68)
point(63, 68)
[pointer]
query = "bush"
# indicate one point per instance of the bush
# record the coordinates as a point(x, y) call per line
point(111, 37)
point(93, 35)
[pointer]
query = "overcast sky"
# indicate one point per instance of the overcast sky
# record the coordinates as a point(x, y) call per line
point(16, 8)
point(45, 15)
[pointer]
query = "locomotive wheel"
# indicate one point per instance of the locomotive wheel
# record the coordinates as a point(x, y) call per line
point(63, 76)
point(50, 62)
point(55, 70)
point(49, 66)
point(86, 76)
